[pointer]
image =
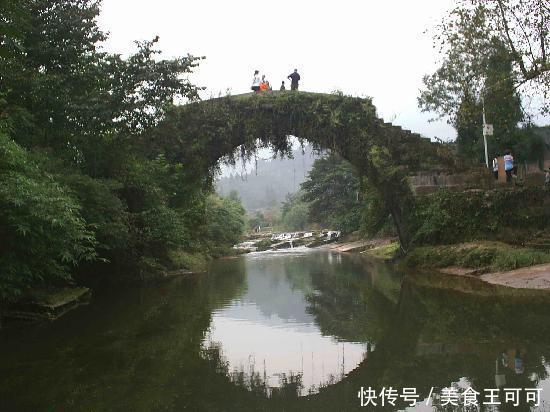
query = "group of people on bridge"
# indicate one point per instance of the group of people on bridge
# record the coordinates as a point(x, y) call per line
point(262, 84)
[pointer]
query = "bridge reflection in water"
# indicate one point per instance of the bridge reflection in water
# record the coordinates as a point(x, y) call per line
point(189, 344)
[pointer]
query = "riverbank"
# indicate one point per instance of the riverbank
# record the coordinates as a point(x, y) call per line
point(491, 262)
point(495, 263)
point(532, 277)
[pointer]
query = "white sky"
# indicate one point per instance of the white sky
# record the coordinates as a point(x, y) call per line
point(361, 47)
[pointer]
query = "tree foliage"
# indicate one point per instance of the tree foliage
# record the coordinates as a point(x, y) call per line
point(42, 234)
point(81, 179)
point(225, 223)
point(470, 37)
point(332, 192)
point(491, 50)
point(295, 212)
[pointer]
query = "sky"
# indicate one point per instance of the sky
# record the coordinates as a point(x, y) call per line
point(360, 47)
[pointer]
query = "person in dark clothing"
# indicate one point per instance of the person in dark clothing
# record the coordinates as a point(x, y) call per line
point(282, 88)
point(294, 79)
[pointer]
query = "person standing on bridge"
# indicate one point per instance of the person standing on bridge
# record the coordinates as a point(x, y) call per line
point(256, 82)
point(294, 79)
point(264, 84)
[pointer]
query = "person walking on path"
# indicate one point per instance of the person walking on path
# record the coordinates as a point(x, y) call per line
point(282, 88)
point(256, 82)
point(294, 79)
point(508, 165)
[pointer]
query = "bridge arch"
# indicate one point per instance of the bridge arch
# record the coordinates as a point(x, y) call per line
point(200, 134)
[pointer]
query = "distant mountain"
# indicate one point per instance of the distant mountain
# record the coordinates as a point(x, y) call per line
point(267, 185)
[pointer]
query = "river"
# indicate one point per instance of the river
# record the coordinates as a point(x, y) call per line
point(293, 330)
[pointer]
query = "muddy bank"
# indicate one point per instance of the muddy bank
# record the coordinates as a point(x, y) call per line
point(532, 277)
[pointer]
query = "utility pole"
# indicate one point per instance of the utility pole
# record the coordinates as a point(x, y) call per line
point(487, 131)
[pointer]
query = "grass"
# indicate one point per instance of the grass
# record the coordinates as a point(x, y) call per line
point(386, 252)
point(194, 262)
point(495, 256)
point(264, 244)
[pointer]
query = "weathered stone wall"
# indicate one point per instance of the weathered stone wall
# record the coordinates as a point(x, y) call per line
point(428, 182)
point(424, 183)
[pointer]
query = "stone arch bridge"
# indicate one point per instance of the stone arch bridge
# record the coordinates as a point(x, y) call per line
point(202, 133)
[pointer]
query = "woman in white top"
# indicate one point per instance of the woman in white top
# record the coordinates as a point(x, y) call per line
point(256, 81)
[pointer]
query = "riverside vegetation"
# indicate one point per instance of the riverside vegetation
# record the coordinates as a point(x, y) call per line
point(510, 223)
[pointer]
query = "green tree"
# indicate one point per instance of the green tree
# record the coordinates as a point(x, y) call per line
point(332, 192)
point(295, 212)
point(480, 65)
point(225, 223)
point(466, 38)
point(469, 124)
point(84, 117)
point(62, 92)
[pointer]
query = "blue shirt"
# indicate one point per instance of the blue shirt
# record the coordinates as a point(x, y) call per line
point(508, 162)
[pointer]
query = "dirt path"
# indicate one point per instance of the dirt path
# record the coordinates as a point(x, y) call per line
point(533, 277)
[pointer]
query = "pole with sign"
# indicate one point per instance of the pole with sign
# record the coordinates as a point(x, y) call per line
point(487, 131)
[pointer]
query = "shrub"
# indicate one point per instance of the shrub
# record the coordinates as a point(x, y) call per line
point(42, 234)
point(494, 256)
point(225, 225)
point(451, 217)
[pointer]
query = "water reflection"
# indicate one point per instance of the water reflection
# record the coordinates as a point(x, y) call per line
point(200, 343)
point(270, 333)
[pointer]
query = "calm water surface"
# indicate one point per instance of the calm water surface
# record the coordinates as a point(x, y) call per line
point(297, 330)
